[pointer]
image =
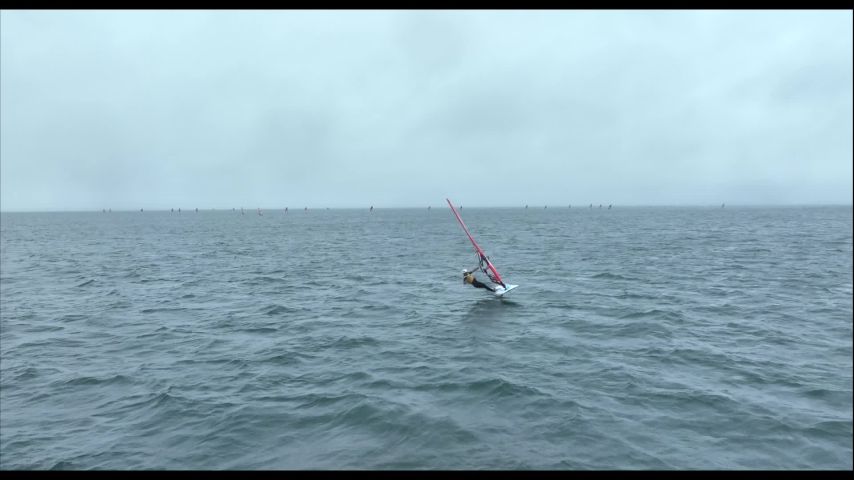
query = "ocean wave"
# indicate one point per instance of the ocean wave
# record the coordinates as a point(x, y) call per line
point(492, 387)
point(163, 309)
point(655, 313)
point(628, 346)
point(95, 381)
point(278, 310)
point(265, 280)
point(614, 276)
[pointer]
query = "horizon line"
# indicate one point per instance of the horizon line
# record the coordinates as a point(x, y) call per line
point(374, 207)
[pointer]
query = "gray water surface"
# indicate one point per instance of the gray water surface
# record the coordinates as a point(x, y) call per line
point(639, 338)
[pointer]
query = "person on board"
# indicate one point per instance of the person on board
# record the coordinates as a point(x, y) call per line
point(468, 277)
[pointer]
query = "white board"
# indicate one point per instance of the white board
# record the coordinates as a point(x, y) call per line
point(500, 291)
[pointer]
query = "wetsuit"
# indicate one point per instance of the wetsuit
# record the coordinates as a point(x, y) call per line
point(469, 278)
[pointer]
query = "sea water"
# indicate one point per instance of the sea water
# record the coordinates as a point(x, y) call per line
point(639, 338)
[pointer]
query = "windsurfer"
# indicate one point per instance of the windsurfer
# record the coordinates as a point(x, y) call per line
point(468, 277)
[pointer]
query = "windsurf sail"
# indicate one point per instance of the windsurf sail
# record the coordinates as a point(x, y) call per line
point(485, 265)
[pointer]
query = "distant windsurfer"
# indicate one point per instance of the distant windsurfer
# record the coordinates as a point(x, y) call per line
point(468, 277)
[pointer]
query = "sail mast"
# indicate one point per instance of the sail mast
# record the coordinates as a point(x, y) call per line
point(494, 276)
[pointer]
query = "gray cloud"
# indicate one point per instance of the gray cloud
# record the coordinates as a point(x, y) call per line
point(206, 109)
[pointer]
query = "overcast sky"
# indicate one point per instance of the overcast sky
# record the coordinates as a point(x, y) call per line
point(222, 109)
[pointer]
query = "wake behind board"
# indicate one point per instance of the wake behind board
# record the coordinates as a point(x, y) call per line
point(500, 291)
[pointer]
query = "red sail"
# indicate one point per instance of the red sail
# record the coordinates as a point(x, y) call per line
point(479, 250)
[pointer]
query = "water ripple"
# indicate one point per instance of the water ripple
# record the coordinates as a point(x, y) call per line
point(345, 339)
